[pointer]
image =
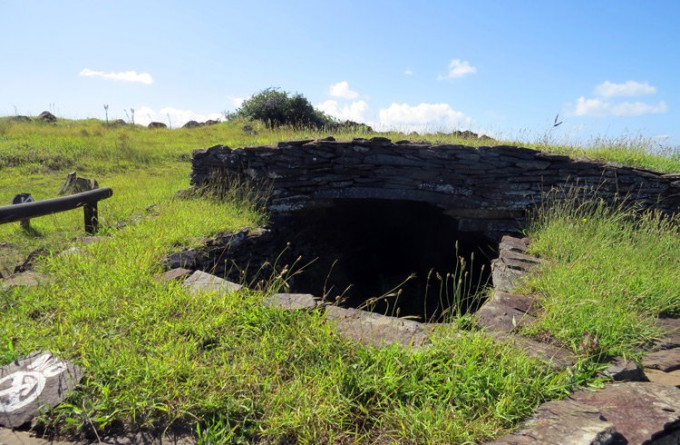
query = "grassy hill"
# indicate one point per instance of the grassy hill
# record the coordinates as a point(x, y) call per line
point(228, 370)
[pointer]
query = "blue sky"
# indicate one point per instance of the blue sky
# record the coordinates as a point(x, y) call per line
point(505, 68)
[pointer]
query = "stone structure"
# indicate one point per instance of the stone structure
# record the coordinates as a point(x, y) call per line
point(487, 189)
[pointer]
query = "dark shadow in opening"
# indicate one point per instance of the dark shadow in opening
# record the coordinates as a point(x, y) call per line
point(367, 249)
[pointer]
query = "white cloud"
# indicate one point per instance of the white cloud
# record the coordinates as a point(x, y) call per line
point(638, 108)
point(342, 90)
point(629, 88)
point(601, 107)
point(458, 68)
point(590, 107)
point(357, 111)
point(408, 72)
point(170, 116)
point(125, 76)
point(237, 101)
point(423, 117)
point(606, 104)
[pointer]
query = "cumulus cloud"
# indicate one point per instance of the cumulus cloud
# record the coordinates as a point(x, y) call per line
point(422, 118)
point(629, 88)
point(606, 103)
point(237, 101)
point(173, 117)
point(342, 90)
point(124, 76)
point(601, 107)
point(357, 111)
point(458, 68)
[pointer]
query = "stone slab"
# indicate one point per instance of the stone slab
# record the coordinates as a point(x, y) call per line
point(28, 278)
point(34, 381)
point(13, 437)
point(665, 360)
point(671, 327)
point(563, 422)
point(520, 245)
point(178, 273)
point(504, 278)
point(554, 356)
point(291, 302)
point(505, 312)
point(621, 370)
point(663, 378)
point(641, 412)
point(376, 329)
point(200, 281)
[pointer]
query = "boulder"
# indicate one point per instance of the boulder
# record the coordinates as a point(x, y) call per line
point(46, 116)
point(20, 119)
point(192, 124)
point(157, 125)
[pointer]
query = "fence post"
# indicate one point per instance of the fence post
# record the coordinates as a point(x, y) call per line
point(91, 218)
point(22, 198)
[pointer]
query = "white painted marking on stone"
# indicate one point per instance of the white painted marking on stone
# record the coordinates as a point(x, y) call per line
point(26, 386)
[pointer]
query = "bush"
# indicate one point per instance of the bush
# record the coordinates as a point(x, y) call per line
point(275, 108)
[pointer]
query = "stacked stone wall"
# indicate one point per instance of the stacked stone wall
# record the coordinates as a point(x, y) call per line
point(496, 185)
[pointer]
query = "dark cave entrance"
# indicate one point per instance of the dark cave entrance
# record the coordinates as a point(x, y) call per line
point(396, 258)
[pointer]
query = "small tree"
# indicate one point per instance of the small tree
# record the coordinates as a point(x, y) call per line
point(275, 108)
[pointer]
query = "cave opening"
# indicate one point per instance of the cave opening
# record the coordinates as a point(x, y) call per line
point(397, 258)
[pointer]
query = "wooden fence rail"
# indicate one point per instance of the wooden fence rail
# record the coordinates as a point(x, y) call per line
point(88, 200)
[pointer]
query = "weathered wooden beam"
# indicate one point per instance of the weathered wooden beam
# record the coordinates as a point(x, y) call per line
point(88, 200)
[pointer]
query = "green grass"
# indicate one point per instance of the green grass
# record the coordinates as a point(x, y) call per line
point(228, 370)
point(638, 151)
point(611, 273)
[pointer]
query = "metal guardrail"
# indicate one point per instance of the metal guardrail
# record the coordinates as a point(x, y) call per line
point(88, 200)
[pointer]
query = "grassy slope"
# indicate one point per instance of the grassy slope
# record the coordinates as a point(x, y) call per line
point(156, 355)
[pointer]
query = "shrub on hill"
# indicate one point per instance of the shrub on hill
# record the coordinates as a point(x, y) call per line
point(276, 108)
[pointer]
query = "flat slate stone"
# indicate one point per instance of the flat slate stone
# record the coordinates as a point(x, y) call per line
point(504, 278)
point(513, 244)
point(505, 312)
point(28, 278)
point(563, 422)
point(665, 360)
point(554, 356)
point(12, 437)
point(641, 412)
point(31, 382)
point(671, 339)
point(663, 378)
point(291, 301)
point(375, 329)
point(201, 281)
point(178, 273)
point(621, 370)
